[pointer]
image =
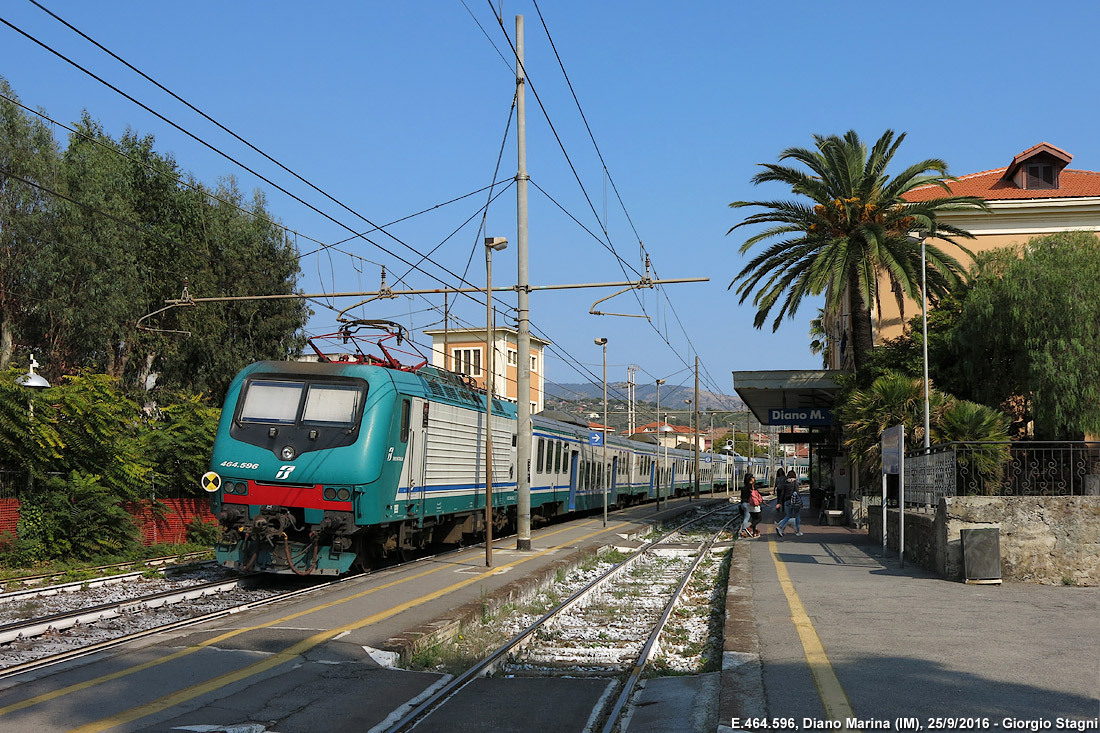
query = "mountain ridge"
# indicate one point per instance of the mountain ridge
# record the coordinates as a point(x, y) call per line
point(672, 397)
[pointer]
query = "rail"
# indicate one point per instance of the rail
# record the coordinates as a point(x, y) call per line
point(437, 699)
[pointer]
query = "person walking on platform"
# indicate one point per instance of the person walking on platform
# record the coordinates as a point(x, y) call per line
point(748, 488)
point(755, 512)
point(791, 501)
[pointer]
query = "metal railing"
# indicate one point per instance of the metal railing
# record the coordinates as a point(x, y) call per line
point(1022, 468)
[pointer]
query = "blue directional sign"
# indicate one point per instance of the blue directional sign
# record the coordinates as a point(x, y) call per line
point(595, 438)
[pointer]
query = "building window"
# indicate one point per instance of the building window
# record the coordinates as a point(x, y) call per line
point(467, 361)
point(513, 357)
point(1040, 176)
point(534, 363)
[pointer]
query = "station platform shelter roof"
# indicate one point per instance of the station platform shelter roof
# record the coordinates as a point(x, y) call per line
point(785, 389)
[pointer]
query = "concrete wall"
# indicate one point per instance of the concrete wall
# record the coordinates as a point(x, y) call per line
point(1043, 539)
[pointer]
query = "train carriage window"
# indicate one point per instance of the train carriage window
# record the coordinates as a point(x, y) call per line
point(557, 457)
point(332, 404)
point(541, 455)
point(271, 401)
point(406, 411)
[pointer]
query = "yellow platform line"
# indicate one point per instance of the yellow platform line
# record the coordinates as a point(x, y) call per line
point(833, 698)
point(53, 695)
point(288, 654)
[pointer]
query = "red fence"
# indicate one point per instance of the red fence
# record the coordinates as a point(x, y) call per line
point(165, 525)
point(9, 515)
point(169, 524)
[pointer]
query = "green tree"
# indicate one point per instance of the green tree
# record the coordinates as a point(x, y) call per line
point(179, 437)
point(852, 230)
point(92, 289)
point(28, 155)
point(905, 354)
point(1027, 334)
point(898, 399)
point(134, 237)
point(246, 254)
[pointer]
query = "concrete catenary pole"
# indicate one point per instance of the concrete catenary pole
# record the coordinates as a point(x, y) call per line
point(695, 440)
point(523, 327)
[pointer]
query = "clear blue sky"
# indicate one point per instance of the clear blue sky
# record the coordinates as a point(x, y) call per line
point(393, 108)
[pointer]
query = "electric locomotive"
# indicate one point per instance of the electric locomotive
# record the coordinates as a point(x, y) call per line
point(319, 467)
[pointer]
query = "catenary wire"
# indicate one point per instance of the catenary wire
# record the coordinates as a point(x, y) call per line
point(413, 267)
point(243, 166)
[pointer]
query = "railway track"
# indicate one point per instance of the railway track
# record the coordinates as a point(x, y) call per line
point(77, 586)
point(98, 573)
point(33, 627)
point(44, 640)
point(609, 628)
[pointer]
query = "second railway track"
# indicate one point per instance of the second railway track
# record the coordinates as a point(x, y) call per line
point(608, 628)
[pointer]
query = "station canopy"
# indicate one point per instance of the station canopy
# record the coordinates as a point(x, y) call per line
point(787, 390)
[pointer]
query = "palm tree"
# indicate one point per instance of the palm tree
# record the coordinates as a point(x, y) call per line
point(853, 229)
point(819, 337)
point(898, 399)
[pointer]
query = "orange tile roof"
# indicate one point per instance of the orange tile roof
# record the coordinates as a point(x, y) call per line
point(991, 185)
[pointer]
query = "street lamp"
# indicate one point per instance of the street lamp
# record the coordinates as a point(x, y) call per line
point(659, 383)
point(923, 236)
point(32, 381)
point(603, 471)
point(492, 244)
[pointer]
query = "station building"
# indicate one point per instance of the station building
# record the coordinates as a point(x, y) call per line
point(463, 350)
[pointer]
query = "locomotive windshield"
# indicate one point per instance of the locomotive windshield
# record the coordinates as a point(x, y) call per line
point(332, 404)
point(268, 401)
point(285, 402)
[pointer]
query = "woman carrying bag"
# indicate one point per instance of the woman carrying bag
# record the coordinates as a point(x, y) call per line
point(750, 504)
point(791, 503)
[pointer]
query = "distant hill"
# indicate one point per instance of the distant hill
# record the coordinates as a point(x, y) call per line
point(646, 392)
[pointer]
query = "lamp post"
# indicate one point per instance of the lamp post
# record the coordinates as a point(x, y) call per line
point(32, 381)
point(491, 244)
point(659, 383)
point(923, 236)
point(603, 470)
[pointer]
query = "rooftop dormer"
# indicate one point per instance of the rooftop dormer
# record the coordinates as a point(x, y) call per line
point(1038, 167)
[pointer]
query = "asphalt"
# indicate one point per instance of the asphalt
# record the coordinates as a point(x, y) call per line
point(823, 627)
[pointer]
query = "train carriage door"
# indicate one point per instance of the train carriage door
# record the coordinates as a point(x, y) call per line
point(614, 498)
point(574, 477)
point(414, 428)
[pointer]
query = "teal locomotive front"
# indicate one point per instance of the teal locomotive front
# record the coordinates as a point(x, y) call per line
point(305, 456)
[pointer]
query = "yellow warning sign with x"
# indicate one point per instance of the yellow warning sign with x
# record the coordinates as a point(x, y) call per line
point(211, 481)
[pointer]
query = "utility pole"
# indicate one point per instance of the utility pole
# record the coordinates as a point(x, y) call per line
point(446, 326)
point(523, 327)
point(630, 396)
point(696, 440)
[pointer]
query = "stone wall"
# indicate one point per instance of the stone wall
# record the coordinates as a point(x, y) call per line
point(1043, 539)
point(921, 535)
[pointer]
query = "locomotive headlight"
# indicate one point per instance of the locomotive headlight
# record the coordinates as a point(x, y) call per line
point(287, 453)
point(343, 495)
point(330, 493)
